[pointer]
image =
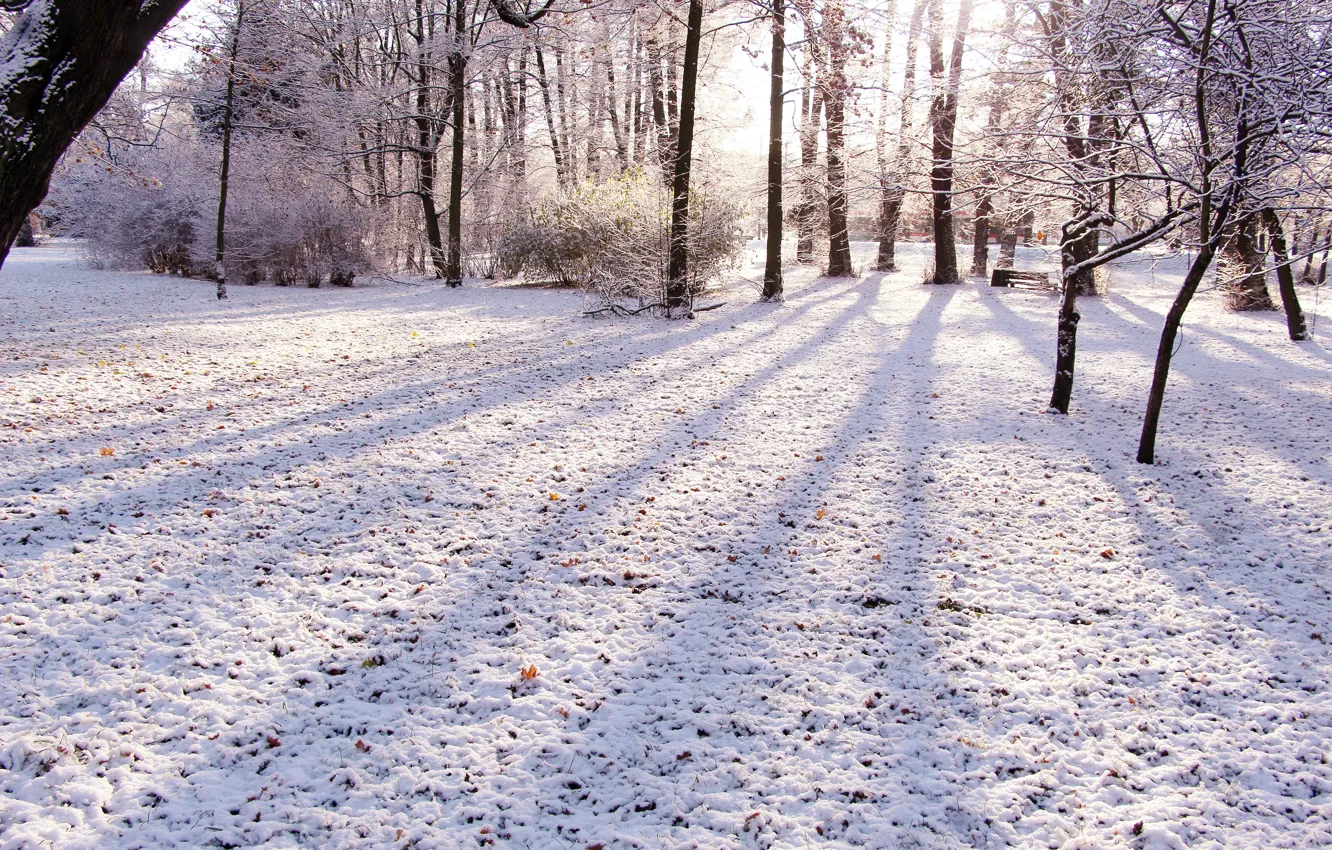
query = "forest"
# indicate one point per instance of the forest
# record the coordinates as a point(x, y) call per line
point(688, 423)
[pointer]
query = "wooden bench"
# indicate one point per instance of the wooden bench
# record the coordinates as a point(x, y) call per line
point(1022, 280)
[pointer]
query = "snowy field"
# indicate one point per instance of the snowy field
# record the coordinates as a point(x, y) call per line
point(402, 566)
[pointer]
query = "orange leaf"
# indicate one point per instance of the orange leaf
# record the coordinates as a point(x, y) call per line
point(107, 451)
point(1107, 553)
point(529, 673)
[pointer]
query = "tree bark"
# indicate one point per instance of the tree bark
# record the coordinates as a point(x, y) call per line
point(943, 120)
point(809, 154)
point(772, 271)
point(677, 274)
point(1164, 351)
point(224, 170)
point(980, 243)
point(543, 82)
point(1244, 272)
point(1290, 301)
point(839, 243)
point(59, 64)
point(458, 85)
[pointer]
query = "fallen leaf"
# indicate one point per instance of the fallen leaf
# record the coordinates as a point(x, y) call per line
point(529, 673)
point(107, 451)
point(1107, 553)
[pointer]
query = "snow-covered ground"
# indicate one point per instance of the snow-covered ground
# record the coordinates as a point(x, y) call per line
point(278, 572)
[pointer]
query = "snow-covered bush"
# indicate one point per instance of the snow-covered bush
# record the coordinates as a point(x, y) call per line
point(614, 237)
point(155, 208)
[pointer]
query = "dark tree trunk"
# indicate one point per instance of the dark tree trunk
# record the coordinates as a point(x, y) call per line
point(839, 243)
point(677, 273)
point(943, 120)
point(41, 109)
point(458, 85)
point(1165, 349)
point(224, 171)
point(1066, 344)
point(772, 271)
point(427, 142)
point(980, 245)
point(1285, 276)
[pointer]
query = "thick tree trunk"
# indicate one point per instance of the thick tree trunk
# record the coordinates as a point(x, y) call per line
point(59, 64)
point(772, 271)
point(1244, 272)
point(839, 243)
point(943, 120)
point(1290, 301)
point(677, 274)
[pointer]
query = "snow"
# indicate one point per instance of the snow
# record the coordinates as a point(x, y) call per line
point(276, 572)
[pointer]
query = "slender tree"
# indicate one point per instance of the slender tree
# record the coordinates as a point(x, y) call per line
point(772, 271)
point(677, 274)
point(224, 170)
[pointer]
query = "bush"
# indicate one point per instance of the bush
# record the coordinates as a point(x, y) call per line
point(281, 226)
point(614, 238)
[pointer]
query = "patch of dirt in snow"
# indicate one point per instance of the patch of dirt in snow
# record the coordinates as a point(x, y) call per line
point(413, 567)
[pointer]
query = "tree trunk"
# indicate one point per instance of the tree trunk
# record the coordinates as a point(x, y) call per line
point(41, 109)
point(612, 110)
point(980, 243)
point(943, 119)
point(809, 154)
point(1244, 272)
point(677, 274)
point(772, 271)
point(224, 171)
point(839, 243)
point(458, 84)
point(427, 142)
point(1295, 325)
point(893, 190)
point(543, 82)
point(1164, 351)
point(665, 156)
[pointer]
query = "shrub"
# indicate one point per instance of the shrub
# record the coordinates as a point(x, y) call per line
point(614, 238)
